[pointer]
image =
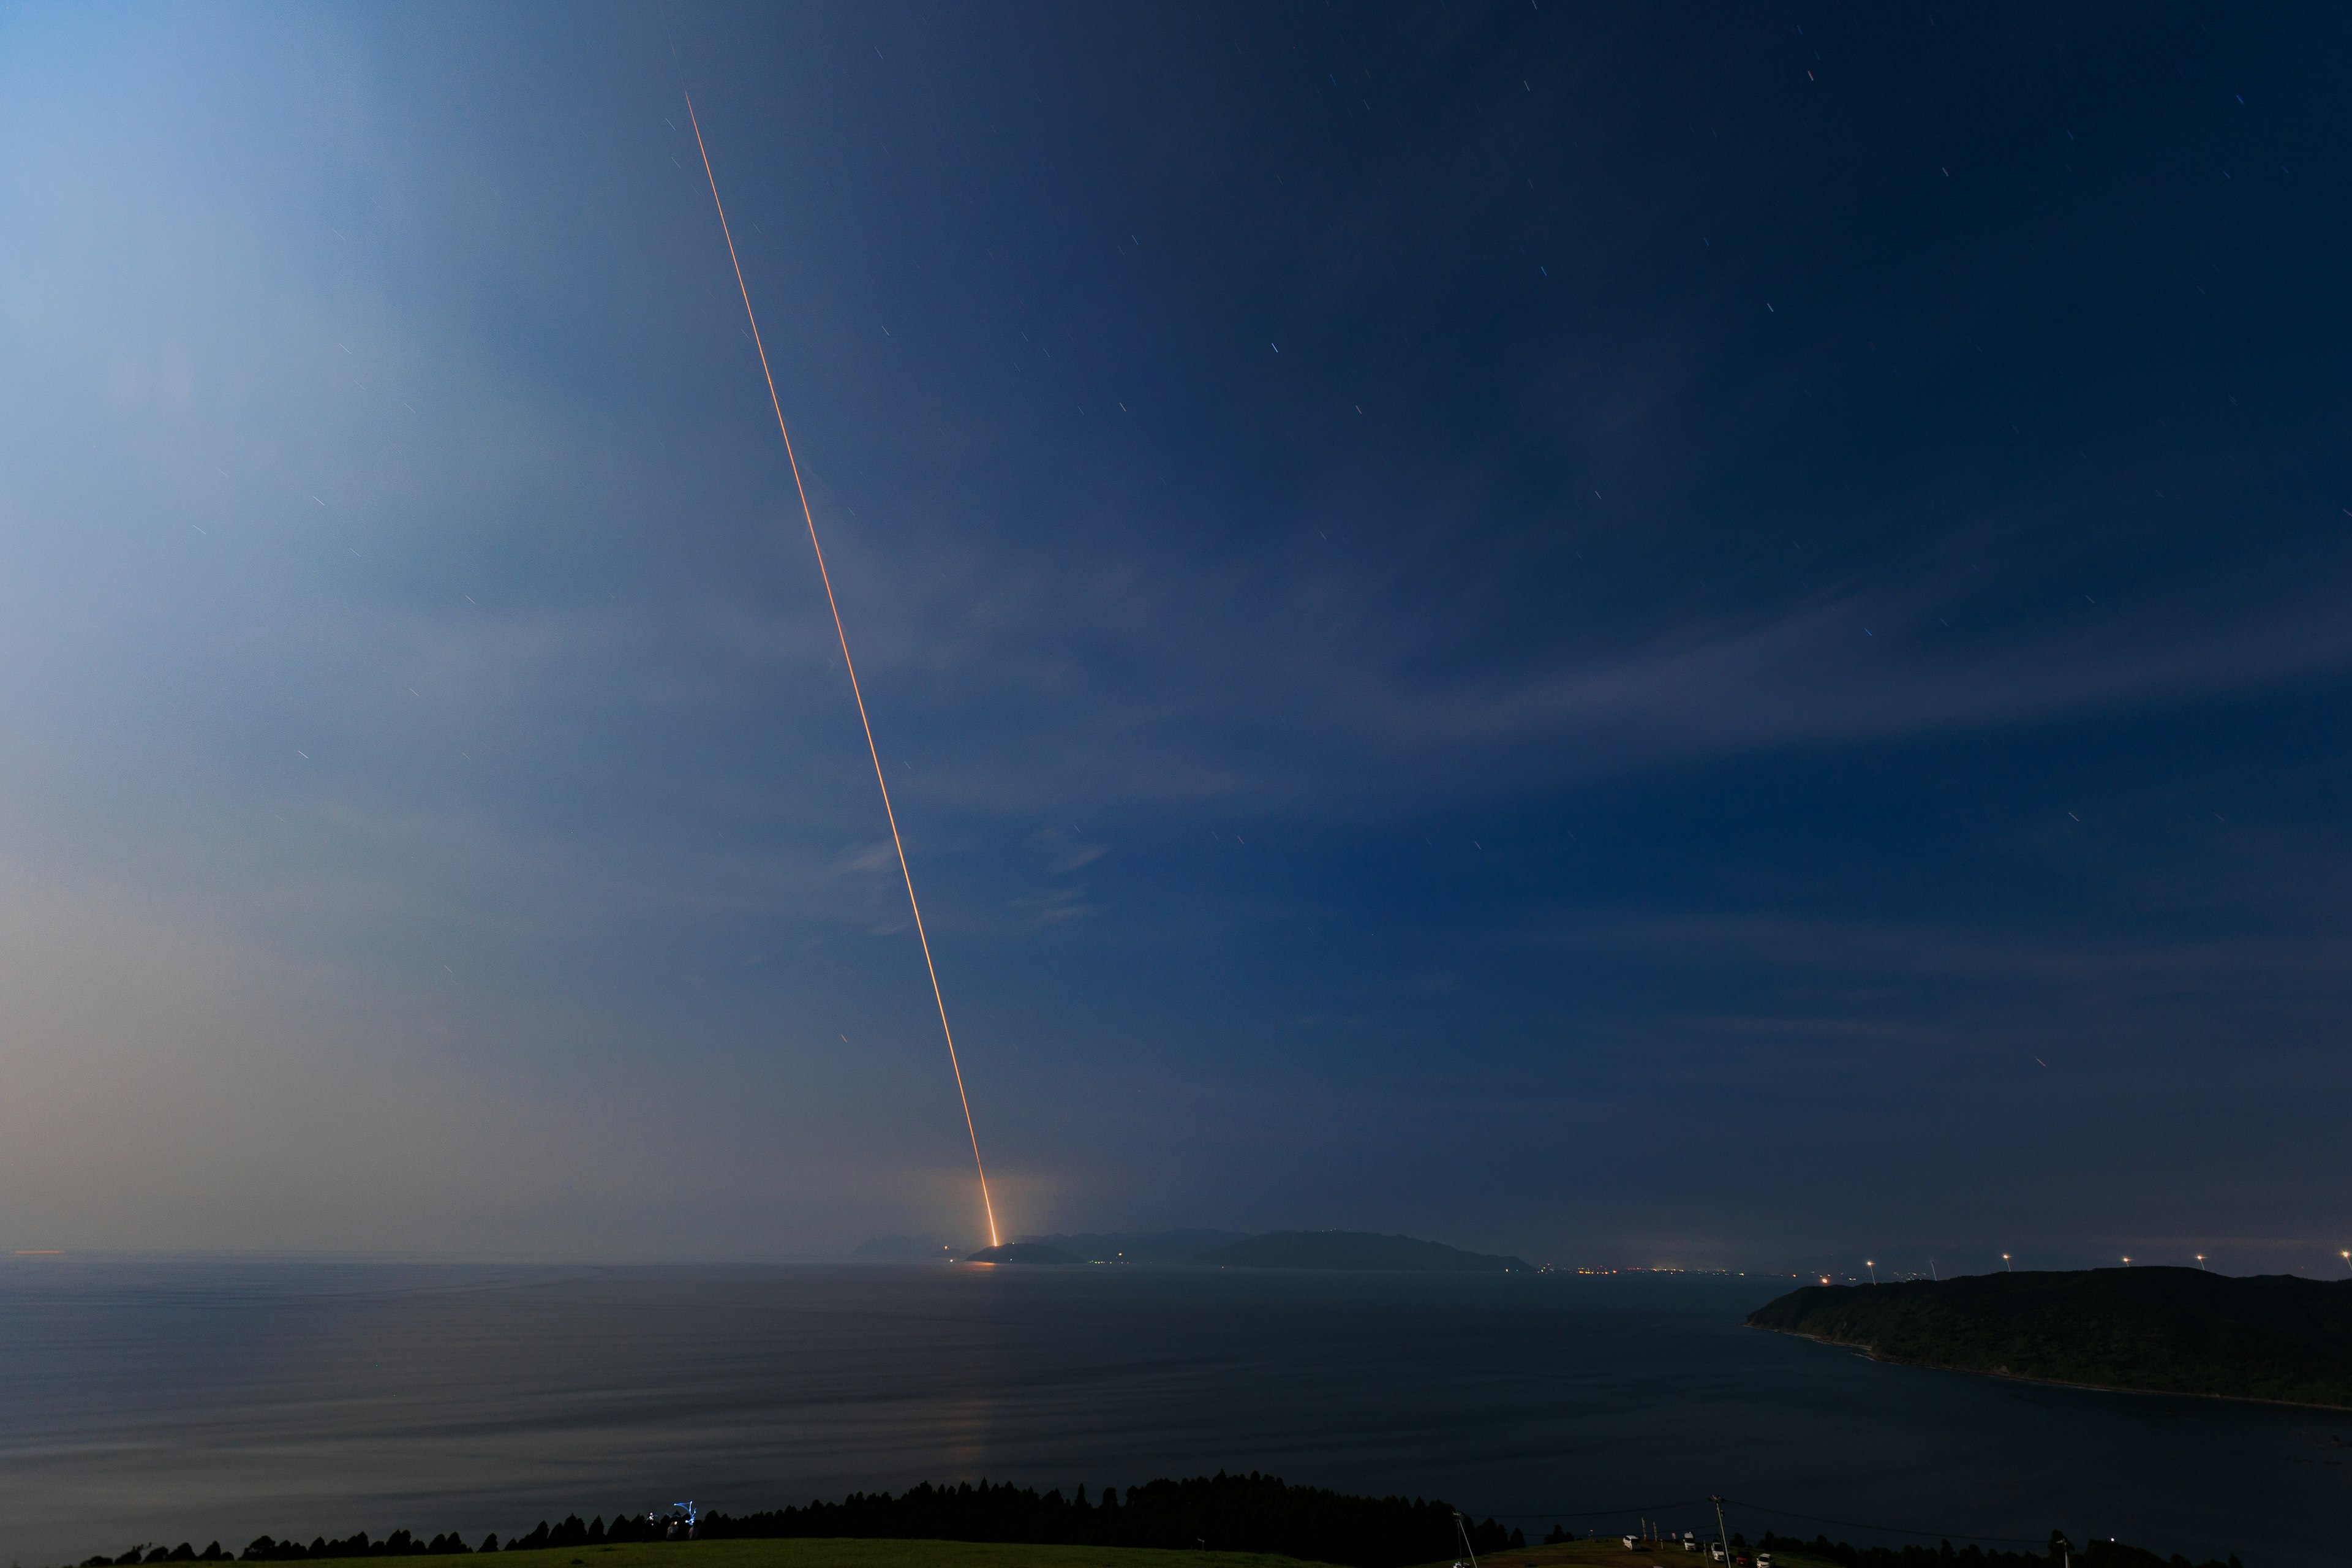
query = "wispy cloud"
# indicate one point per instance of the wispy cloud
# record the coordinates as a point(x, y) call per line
point(1311, 686)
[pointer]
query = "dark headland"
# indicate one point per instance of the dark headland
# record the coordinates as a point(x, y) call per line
point(2157, 1330)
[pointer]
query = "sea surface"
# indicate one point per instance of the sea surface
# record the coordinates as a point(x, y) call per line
point(162, 1401)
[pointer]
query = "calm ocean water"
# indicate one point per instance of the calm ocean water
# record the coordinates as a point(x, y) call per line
point(161, 1401)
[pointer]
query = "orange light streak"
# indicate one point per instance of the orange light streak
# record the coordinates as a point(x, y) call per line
point(810, 518)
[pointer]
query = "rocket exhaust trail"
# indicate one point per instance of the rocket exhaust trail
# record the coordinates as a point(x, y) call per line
point(810, 518)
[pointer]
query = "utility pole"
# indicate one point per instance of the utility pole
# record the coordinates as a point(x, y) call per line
point(1870, 1264)
point(1463, 1527)
point(1720, 1533)
point(2011, 1267)
point(1931, 1272)
point(2201, 1263)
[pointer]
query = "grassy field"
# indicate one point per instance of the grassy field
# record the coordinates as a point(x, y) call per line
point(830, 1554)
point(1610, 1552)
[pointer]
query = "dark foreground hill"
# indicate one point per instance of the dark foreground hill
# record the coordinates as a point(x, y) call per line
point(1353, 1249)
point(1225, 1513)
point(1209, 1522)
point(2162, 1330)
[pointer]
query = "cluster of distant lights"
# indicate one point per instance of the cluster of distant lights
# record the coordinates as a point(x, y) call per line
point(1870, 1266)
point(1654, 1268)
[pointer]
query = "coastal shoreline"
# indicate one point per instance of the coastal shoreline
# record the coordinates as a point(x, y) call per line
point(1871, 1355)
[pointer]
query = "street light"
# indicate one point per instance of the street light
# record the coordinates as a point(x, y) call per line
point(2128, 1263)
point(2012, 1268)
point(2201, 1262)
point(1462, 1525)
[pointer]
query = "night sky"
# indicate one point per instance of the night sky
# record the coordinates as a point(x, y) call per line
point(1645, 634)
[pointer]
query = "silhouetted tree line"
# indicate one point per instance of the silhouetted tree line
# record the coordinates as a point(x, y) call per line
point(399, 1543)
point(1229, 1513)
point(183, 1553)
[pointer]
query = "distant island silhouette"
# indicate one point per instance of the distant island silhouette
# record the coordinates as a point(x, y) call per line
point(1141, 1247)
point(2271, 1337)
point(1358, 1251)
point(1355, 1250)
point(1023, 1252)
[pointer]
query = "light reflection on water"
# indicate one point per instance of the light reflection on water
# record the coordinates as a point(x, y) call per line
point(161, 1400)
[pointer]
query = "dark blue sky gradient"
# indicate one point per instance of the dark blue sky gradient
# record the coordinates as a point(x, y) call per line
point(1657, 634)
